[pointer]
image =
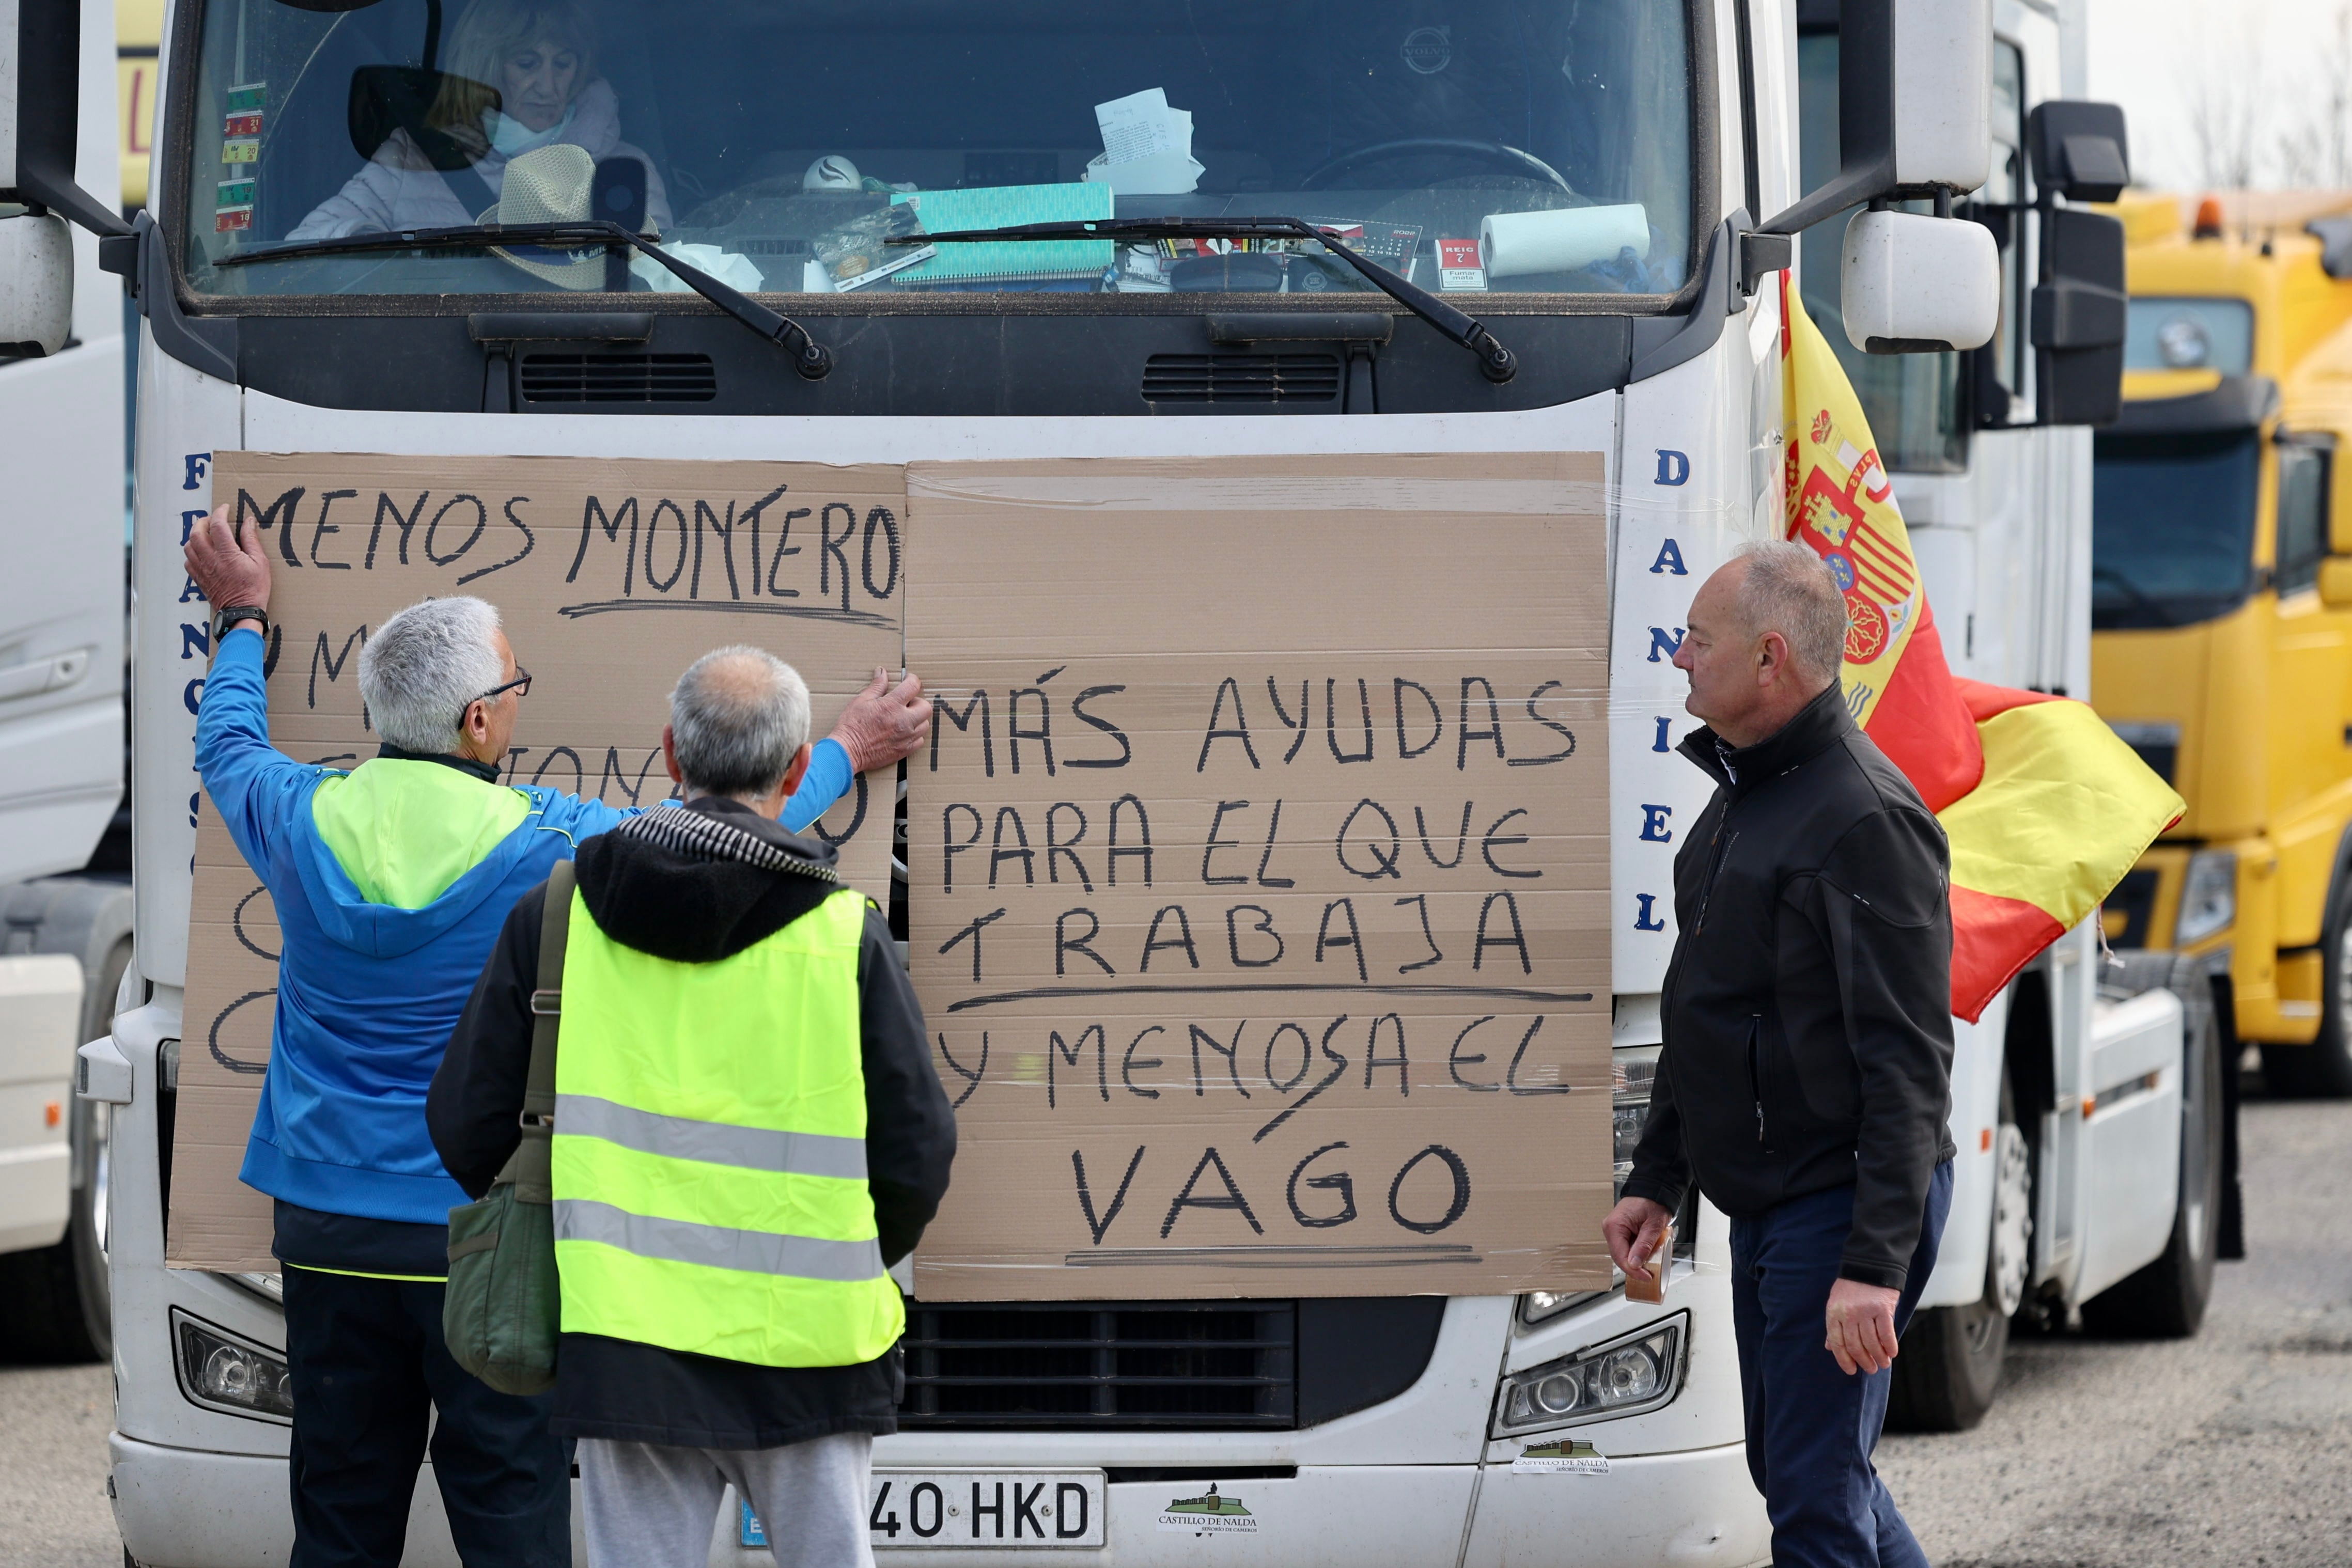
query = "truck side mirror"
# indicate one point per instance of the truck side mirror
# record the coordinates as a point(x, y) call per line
point(40, 103)
point(1914, 119)
point(1911, 284)
point(1915, 91)
point(36, 278)
point(2335, 582)
point(2339, 509)
point(2079, 150)
point(2336, 567)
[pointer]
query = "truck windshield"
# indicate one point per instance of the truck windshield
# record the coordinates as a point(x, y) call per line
point(2172, 526)
point(1531, 147)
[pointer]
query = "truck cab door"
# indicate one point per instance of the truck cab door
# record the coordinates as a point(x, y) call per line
point(63, 564)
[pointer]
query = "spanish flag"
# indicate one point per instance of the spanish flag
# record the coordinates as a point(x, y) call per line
point(2044, 808)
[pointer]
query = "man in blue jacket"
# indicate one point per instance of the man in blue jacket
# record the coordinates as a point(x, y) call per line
point(391, 882)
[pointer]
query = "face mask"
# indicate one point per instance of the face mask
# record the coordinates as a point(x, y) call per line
point(509, 136)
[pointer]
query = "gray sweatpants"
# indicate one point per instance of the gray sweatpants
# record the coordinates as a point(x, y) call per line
point(649, 1505)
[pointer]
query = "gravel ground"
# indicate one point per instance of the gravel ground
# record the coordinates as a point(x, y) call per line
point(2231, 1449)
point(2234, 1450)
point(53, 1507)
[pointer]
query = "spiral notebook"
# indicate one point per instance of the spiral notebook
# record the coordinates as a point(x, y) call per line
point(1009, 261)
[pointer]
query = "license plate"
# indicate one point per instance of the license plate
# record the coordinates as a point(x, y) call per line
point(976, 1508)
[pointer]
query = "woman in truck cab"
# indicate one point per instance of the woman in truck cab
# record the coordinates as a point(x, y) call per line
point(521, 75)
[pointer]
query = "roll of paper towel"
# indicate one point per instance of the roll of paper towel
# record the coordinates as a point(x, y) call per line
point(1513, 244)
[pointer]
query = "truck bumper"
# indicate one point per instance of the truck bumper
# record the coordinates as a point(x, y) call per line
point(1695, 1508)
point(185, 1507)
point(179, 1508)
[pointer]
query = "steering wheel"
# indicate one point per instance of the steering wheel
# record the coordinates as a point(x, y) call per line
point(1525, 164)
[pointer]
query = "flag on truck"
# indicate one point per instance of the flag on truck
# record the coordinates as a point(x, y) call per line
point(2045, 809)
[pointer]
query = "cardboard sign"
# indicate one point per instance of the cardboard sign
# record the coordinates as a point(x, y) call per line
point(612, 578)
point(1259, 873)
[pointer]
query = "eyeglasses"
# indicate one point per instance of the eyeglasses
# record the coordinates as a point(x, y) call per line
point(519, 686)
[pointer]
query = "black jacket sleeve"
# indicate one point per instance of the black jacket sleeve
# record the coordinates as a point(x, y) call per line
point(1889, 923)
point(475, 1105)
point(910, 1133)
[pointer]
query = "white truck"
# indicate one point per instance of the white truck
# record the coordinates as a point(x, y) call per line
point(64, 894)
point(1347, 1431)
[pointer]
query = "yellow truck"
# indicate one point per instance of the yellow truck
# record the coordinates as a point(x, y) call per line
point(2221, 618)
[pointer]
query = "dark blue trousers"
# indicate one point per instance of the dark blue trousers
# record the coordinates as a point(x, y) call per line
point(369, 1368)
point(1811, 1428)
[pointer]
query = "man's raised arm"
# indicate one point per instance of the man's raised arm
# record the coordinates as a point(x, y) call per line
point(241, 772)
point(882, 725)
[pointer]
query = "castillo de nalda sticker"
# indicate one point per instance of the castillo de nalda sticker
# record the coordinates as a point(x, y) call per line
point(1208, 1514)
point(1569, 1457)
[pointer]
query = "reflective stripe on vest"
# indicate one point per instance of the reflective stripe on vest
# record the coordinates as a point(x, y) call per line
point(709, 1149)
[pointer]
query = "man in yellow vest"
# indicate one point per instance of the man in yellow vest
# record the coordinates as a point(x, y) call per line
point(748, 1134)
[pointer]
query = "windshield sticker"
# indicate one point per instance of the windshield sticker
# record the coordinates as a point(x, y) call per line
point(248, 98)
point(1458, 265)
point(1568, 1457)
point(228, 220)
point(243, 124)
point(245, 150)
point(1208, 1514)
point(234, 193)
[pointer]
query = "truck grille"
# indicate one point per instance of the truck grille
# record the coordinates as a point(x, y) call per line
point(618, 378)
point(1241, 378)
point(1101, 1364)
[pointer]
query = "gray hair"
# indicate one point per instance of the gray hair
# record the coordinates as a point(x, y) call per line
point(1788, 589)
point(423, 669)
point(737, 719)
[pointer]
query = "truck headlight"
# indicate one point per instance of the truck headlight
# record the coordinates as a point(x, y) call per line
point(219, 1370)
point(2209, 896)
point(1623, 1377)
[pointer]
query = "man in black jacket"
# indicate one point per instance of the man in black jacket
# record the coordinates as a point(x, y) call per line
point(723, 997)
point(1805, 1079)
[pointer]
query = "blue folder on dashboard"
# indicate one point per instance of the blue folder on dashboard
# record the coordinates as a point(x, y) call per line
point(1009, 261)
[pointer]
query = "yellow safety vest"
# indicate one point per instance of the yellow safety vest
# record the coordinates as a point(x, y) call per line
point(710, 1149)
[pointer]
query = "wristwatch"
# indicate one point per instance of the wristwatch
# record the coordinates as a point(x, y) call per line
point(229, 615)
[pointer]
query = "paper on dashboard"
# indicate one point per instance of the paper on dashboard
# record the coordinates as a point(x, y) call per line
point(1146, 147)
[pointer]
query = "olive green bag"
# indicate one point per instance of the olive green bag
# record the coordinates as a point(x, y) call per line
point(504, 1309)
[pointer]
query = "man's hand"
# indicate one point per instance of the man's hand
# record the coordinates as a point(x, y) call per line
point(885, 723)
point(229, 565)
point(1860, 1326)
point(1633, 1229)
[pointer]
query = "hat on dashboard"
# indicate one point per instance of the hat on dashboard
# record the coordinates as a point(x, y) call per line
point(549, 184)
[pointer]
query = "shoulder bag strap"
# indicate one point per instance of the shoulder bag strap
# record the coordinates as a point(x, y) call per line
point(528, 1167)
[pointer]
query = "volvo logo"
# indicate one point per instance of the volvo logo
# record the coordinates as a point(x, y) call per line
point(1428, 50)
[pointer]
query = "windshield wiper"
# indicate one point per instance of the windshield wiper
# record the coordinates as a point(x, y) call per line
point(812, 360)
point(1496, 362)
